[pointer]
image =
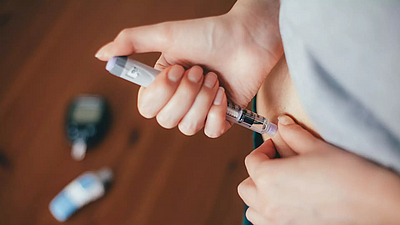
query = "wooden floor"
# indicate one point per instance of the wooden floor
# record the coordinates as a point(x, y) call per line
point(162, 177)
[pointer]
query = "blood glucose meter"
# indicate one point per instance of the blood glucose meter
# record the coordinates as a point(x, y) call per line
point(88, 120)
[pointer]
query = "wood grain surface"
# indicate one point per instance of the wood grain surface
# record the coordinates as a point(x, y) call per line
point(161, 176)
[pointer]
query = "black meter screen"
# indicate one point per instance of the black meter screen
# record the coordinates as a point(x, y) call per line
point(87, 113)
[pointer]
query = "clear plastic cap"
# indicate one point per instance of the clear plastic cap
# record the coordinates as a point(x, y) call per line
point(272, 129)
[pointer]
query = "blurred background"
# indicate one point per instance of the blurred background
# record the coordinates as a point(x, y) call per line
point(47, 52)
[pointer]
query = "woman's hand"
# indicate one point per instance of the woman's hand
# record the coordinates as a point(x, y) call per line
point(321, 185)
point(241, 47)
point(186, 99)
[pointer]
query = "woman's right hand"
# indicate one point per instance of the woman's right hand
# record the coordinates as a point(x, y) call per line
point(241, 47)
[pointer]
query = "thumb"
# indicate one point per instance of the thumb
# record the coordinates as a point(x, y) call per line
point(267, 148)
point(151, 38)
point(296, 137)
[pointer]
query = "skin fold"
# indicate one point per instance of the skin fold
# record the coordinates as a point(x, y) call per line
point(277, 96)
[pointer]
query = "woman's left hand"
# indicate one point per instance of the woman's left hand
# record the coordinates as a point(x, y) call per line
point(321, 185)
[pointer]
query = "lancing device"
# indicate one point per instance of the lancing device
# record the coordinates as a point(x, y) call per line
point(144, 75)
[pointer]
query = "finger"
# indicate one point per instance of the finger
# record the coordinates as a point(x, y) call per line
point(153, 98)
point(257, 157)
point(297, 138)
point(267, 149)
point(180, 103)
point(161, 63)
point(151, 38)
point(255, 218)
point(248, 192)
point(216, 123)
point(195, 118)
point(282, 147)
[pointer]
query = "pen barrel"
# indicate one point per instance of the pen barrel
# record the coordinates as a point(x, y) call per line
point(249, 119)
point(132, 70)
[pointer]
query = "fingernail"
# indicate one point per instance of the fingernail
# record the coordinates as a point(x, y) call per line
point(220, 95)
point(106, 52)
point(194, 76)
point(175, 73)
point(210, 80)
point(100, 53)
point(285, 120)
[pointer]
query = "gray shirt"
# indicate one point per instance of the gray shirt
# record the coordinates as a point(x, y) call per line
point(344, 59)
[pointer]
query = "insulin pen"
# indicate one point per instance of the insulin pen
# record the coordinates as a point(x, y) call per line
point(144, 75)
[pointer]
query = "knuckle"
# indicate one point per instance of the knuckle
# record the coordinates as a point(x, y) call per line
point(252, 217)
point(247, 160)
point(249, 216)
point(243, 187)
point(240, 189)
point(123, 33)
point(166, 28)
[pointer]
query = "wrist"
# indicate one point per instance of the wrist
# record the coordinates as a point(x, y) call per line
point(258, 19)
point(264, 12)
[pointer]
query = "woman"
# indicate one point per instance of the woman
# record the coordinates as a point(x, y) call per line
point(326, 46)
